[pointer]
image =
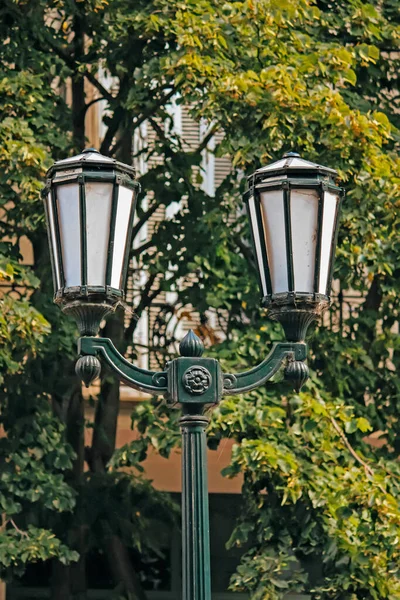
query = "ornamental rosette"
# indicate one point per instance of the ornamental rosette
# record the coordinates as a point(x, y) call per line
point(196, 380)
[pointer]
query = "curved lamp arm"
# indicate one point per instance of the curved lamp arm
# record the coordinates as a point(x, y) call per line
point(153, 382)
point(281, 353)
point(191, 379)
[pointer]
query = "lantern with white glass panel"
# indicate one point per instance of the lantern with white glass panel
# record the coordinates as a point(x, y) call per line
point(90, 204)
point(293, 207)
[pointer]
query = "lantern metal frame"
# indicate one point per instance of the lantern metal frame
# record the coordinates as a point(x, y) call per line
point(89, 304)
point(295, 310)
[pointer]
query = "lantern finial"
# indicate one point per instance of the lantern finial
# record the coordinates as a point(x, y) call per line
point(291, 155)
point(87, 150)
point(191, 345)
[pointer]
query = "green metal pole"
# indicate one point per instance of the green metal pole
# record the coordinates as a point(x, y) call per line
point(194, 383)
point(195, 518)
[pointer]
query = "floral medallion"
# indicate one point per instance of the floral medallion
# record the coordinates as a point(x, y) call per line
point(196, 380)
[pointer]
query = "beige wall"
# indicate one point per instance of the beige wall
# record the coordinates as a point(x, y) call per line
point(166, 473)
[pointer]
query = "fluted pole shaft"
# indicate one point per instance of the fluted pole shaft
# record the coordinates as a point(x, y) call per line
point(195, 517)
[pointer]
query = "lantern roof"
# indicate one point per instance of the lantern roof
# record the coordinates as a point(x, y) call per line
point(290, 162)
point(87, 155)
point(90, 158)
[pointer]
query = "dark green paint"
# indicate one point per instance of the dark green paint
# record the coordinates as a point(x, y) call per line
point(96, 177)
point(96, 167)
point(94, 292)
point(297, 184)
point(52, 257)
point(82, 173)
point(286, 179)
point(281, 353)
point(82, 217)
point(196, 568)
point(288, 236)
point(321, 198)
point(248, 197)
point(191, 345)
point(57, 236)
point(286, 298)
point(171, 381)
point(113, 220)
point(190, 381)
point(261, 229)
point(128, 243)
point(141, 379)
point(207, 370)
point(335, 238)
point(193, 382)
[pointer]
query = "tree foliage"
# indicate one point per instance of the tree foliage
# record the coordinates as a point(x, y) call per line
point(321, 506)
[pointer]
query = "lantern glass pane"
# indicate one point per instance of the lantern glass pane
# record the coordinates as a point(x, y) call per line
point(257, 244)
point(68, 212)
point(328, 230)
point(125, 198)
point(54, 247)
point(98, 217)
point(304, 225)
point(275, 239)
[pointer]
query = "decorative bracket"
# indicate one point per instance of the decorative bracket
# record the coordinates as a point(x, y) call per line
point(194, 381)
point(153, 382)
point(293, 354)
point(191, 379)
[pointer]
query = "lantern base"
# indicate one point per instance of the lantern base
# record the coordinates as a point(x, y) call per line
point(295, 323)
point(88, 315)
point(295, 312)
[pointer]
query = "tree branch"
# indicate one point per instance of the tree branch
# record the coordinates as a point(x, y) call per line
point(144, 303)
point(73, 65)
point(112, 130)
point(138, 226)
point(137, 251)
point(374, 296)
point(367, 468)
point(17, 529)
point(206, 139)
point(245, 250)
point(107, 95)
point(160, 132)
point(89, 104)
point(116, 146)
point(154, 107)
point(138, 122)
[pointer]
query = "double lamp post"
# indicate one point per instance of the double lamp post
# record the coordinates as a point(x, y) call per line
point(293, 207)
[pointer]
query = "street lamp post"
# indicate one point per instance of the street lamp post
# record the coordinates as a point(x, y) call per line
point(293, 207)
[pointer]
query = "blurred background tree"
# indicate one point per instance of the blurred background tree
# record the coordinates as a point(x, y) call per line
point(321, 504)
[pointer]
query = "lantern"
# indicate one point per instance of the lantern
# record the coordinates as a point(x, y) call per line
point(90, 204)
point(293, 207)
